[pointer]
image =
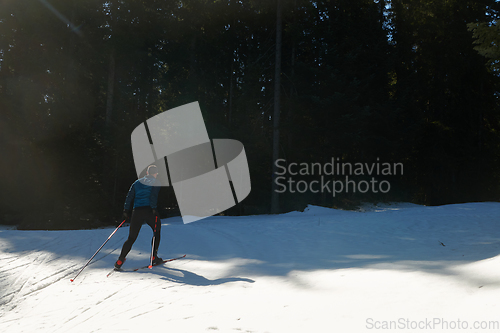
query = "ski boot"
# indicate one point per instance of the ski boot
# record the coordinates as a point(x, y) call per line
point(119, 263)
point(157, 261)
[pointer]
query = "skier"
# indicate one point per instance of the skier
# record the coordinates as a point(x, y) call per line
point(144, 193)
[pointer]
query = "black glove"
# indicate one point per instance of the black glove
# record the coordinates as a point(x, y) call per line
point(125, 214)
point(155, 212)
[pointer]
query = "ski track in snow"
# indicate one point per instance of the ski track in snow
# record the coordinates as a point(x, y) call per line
point(317, 270)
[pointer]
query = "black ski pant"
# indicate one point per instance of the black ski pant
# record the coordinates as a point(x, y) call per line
point(141, 215)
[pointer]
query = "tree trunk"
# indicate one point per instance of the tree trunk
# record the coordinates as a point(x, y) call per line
point(111, 87)
point(291, 105)
point(276, 116)
point(230, 93)
point(110, 153)
point(382, 11)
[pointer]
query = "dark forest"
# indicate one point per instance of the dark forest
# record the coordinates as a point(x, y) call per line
point(400, 82)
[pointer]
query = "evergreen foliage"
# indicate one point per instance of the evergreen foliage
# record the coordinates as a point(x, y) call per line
point(401, 81)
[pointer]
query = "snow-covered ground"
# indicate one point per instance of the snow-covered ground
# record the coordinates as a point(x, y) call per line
point(403, 267)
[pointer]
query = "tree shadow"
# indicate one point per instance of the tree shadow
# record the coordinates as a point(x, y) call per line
point(434, 240)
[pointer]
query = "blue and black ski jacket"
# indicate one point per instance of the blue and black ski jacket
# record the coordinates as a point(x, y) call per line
point(144, 193)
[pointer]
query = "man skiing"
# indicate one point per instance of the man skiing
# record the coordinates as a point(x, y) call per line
point(144, 194)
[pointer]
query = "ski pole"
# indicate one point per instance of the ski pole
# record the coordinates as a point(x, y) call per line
point(73, 279)
point(153, 245)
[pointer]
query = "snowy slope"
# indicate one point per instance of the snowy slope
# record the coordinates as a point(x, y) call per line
point(399, 266)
